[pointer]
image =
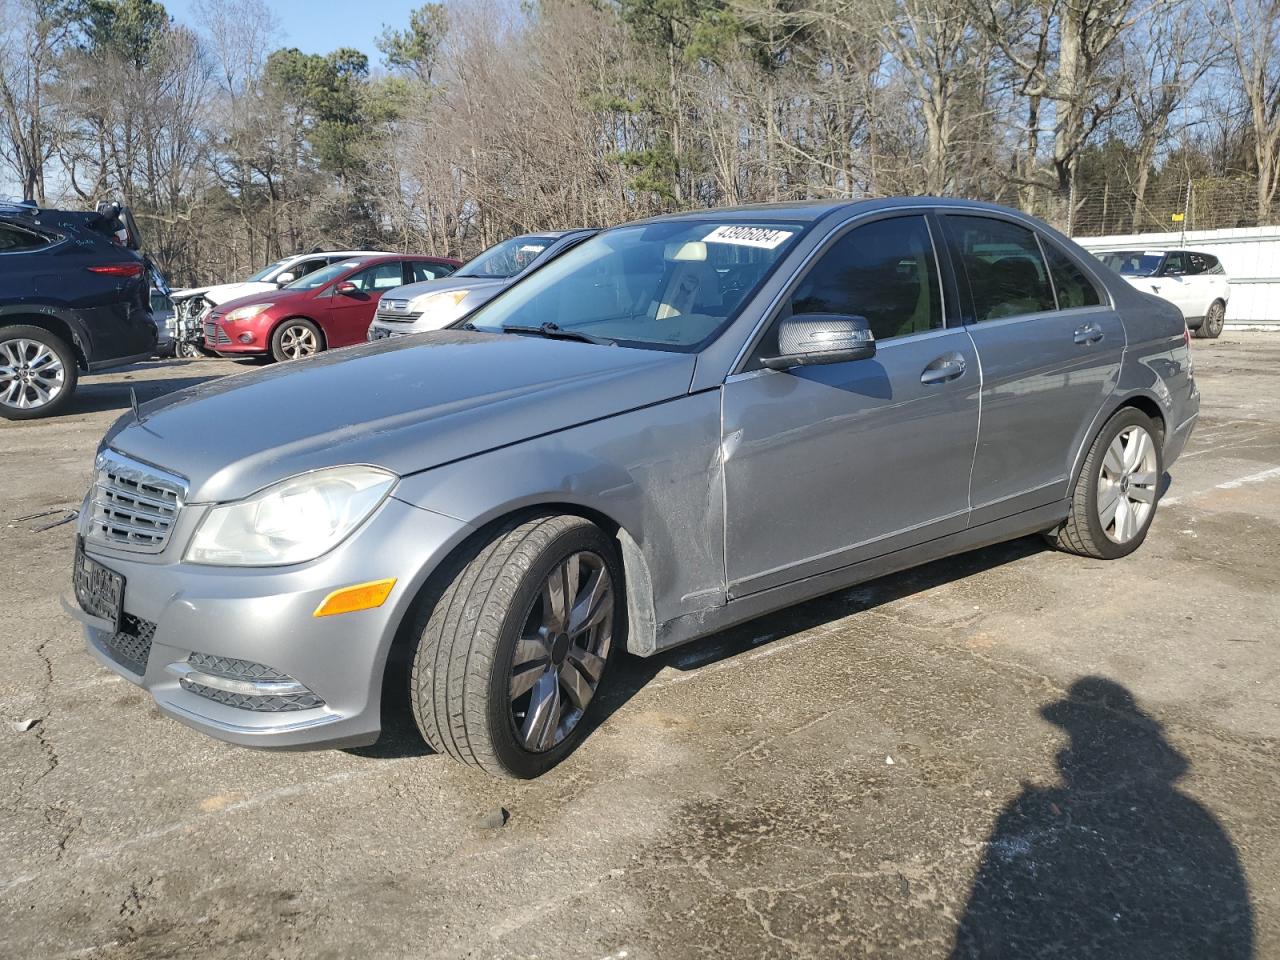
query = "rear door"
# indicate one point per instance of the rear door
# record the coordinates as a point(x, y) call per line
point(349, 314)
point(1050, 346)
point(828, 465)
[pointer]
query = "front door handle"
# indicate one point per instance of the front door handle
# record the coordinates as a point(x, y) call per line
point(1089, 333)
point(949, 366)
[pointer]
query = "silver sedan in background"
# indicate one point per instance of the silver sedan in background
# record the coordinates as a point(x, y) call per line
point(678, 425)
point(434, 304)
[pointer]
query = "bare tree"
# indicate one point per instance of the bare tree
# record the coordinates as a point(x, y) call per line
point(1252, 33)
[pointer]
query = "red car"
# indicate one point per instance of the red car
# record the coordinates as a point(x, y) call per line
point(332, 307)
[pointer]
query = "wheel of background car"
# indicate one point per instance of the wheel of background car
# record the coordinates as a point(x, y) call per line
point(1114, 498)
point(512, 649)
point(38, 373)
point(295, 339)
point(1211, 326)
point(189, 351)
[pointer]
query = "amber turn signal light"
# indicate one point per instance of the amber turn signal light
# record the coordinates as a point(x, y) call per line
point(358, 596)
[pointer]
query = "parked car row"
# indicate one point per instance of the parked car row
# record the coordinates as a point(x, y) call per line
point(673, 426)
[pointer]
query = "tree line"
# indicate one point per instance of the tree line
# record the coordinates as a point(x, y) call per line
point(479, 119)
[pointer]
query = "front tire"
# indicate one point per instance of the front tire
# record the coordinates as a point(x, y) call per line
point(1211, 326)
point(38, 373)
point(296, 339)
point(511, 655)
point(1114, 499)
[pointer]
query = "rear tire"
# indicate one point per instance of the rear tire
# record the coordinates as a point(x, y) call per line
point(296, 339)
point(1211, 326)
point(38, 373)
point(508, 666)
point(1114, 499)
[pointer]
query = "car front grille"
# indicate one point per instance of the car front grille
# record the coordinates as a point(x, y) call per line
point(214, 335)
point(397, 317)
point(131, 645)
point(134, 505)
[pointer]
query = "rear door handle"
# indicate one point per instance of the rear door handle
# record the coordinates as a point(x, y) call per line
point(1089, 333)
point(949, 366)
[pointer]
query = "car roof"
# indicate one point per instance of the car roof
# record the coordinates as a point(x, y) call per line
point(809, 211)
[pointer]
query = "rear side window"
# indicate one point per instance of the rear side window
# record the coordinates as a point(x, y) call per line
point(884, 271)
point(384, 276)
point(16, 240)
point(430, 271)
point(1073, 288)
point(1007, 274)
point(1203, 263)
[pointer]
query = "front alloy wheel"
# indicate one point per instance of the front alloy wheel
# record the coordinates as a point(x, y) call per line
point(294, 340)
point(513, 644)
point(560, 656)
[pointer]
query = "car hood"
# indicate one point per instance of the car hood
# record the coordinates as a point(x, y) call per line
point(407, 404)
point(186, 293)
point(444, 284)
point(230, 291)
point(272, 295)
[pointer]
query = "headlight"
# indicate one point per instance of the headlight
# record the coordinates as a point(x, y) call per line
point(246, 313)
point(292, 521)
point(438, 308)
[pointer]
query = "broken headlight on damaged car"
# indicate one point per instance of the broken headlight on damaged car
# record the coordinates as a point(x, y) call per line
point(292, 521)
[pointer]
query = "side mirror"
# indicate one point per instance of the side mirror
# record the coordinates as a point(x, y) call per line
point(346, 288)
point(285, 278)
point(805, 339)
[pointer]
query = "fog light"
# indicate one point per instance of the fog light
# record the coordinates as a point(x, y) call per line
point(245, 338)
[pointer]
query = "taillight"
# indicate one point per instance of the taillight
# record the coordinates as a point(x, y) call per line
point(117, 269)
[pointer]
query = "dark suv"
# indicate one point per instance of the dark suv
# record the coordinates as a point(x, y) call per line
point(74, 297)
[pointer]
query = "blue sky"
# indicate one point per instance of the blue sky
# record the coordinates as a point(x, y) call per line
point(318, 26)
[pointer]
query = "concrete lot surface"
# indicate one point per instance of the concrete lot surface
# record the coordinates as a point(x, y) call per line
point(1013, 753)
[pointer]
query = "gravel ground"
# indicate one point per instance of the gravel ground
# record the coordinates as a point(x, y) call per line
point(1011, 753)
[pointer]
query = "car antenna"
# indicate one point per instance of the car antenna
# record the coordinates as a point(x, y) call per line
point(133, 400)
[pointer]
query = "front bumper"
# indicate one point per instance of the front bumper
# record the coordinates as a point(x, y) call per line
point(264, 616)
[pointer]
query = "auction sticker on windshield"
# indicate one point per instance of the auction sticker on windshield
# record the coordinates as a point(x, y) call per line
point(765, 237)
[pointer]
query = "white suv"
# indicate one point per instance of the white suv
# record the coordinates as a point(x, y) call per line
point(1193, 282)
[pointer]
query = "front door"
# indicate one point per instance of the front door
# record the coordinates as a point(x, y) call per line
point(1050, 347)
point(350, 313)
point(829, 465)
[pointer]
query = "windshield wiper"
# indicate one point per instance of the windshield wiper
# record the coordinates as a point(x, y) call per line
point(556, 331)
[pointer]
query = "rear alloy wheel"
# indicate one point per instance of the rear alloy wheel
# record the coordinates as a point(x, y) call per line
point(295, 339)
point(1115, 496)
point(1213, 322)
point(512, 653)
point(37, 373)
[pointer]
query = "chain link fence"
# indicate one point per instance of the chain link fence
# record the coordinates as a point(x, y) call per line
point(1171, 206)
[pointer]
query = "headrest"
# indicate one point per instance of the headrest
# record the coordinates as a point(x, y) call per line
point(693, 250)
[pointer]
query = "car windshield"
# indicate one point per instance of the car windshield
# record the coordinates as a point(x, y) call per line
point(671, 285)
point(1134, 263)
point(506, 259)
point(265, 271)
point(318, 279)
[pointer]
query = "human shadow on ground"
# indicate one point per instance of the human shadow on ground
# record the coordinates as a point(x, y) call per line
point(1116, 861)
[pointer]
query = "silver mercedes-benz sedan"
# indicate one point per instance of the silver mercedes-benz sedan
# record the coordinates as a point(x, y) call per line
point(680, 424)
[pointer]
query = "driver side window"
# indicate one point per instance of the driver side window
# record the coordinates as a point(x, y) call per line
point(885, 271)
point(382, 277)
